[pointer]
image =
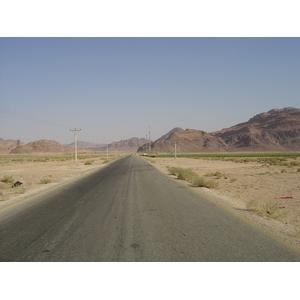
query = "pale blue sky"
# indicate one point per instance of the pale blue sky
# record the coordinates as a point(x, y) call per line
point(115, 88)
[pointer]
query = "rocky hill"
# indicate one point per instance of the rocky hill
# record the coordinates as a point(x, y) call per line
point(188, 141)
point(165, 136)
point(129, 145)
point(42, 146)
point(8, 145)
point(87, 145)
point(275, 130)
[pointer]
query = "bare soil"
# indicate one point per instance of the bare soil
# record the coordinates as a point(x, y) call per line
point(250, 191)
point(39, 176)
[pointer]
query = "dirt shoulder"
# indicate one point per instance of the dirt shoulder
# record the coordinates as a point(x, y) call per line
point(40, 176)
point(250, 191)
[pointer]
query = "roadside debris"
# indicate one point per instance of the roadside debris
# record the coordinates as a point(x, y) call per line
point(284, 198)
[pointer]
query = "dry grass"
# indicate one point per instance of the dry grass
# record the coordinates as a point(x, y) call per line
point(7, 179)
point(270, 210)
point(192, 177)
point(45, 180)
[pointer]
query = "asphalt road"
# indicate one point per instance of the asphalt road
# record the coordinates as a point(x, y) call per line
point(129, 211)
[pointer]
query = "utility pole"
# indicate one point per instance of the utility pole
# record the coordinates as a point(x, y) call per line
point(175, 150)
point(75, 141)
point(149, 140)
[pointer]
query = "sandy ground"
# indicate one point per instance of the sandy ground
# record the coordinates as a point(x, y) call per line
point(32, 174)
point(247, 189)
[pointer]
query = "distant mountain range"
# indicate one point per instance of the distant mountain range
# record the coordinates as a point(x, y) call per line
point(129, 145)
point(275, 130)
point(41, 146)
point(8, 145)
point(49, 146)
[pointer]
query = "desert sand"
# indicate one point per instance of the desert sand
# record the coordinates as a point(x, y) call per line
point(40, 176)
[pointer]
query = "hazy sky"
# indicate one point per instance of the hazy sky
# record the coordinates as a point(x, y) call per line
point(115, 88)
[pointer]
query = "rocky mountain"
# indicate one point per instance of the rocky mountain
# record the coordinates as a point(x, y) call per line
point(8, 145)
point(129, 145)
point(87, 145)
point(188, 141)
point(165, 136)
point(275, 130)
point(42, 146)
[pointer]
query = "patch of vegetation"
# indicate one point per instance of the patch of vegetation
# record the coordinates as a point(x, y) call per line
point(192, 177)
point(45, 180)
point(217, 174)
point(270, 210)
point(19, 190)
point(23, 158)
point(7, 179)
point(88, 162)
point(233, 179)
point(265, 173)
point(204, 182)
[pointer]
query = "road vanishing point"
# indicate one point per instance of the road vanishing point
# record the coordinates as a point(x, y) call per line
point(128, 211)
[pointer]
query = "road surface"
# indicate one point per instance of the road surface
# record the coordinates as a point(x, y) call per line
point(129, 211)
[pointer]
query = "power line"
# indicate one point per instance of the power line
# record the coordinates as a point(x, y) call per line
point(15, 113)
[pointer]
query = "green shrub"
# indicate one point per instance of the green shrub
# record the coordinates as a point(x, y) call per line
point(89, 162)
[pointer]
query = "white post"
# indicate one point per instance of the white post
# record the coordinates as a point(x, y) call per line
point(75, 141)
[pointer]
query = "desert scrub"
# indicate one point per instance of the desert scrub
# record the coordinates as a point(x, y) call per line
point(204, 182)
point(233, 179)
point(19, 190)
point(7, 179)
point(89, 162)
point(192, 177)
point(45, 181)
point(270, 210)
point(216, 174)
point(265, 173)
